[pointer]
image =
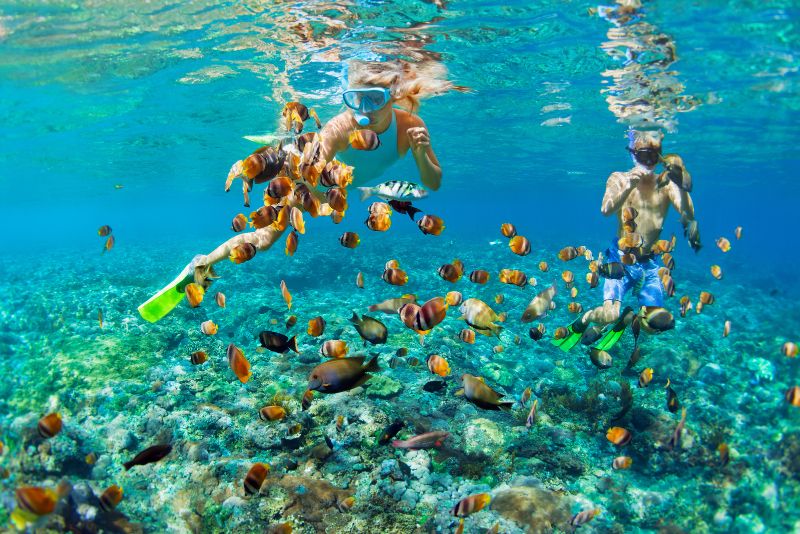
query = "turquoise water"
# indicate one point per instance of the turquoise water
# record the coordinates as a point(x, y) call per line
point(158, 97)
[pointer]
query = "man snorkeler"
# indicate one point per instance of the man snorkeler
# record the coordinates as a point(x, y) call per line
point(374, 89)
point(640, 199)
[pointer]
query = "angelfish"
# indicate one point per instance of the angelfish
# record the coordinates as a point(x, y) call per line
point(394, 190)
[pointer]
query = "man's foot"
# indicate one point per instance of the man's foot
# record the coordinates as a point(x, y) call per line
point(615, 332)
point(204, 273)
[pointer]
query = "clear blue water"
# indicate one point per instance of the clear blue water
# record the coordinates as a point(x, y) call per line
point(158, 97)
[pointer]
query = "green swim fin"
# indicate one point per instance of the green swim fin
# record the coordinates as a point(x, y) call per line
point(163, 302)
point(612, 336)
point(576, 330)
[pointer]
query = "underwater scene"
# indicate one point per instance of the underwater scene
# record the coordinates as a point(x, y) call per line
point(413, 266)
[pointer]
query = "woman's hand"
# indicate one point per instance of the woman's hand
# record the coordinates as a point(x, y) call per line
point(418, 139)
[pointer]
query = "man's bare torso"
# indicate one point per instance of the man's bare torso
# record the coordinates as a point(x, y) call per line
point(652, 204)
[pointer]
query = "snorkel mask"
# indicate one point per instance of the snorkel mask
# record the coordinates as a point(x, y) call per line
point(365, 100)
point(645, 147)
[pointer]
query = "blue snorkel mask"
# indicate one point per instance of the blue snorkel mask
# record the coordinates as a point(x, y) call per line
point(366, 100)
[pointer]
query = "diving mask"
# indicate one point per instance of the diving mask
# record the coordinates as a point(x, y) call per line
point(648, 157)
point(365, 100)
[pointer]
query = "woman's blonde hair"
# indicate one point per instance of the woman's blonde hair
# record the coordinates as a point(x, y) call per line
point(408, 82)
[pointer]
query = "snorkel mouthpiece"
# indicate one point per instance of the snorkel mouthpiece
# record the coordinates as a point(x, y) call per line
point(362, 120)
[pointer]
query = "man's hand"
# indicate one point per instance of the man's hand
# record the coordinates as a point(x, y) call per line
point(418, 139)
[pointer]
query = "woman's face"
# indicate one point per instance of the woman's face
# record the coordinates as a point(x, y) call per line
point(368, 104)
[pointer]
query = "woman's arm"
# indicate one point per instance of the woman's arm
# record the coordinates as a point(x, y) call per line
point(420, 144)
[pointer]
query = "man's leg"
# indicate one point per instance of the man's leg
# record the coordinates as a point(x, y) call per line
point(605, 314)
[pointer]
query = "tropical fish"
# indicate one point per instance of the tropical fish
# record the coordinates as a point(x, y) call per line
point(430, 314)
point(793, 396)
point(264, 216)
point(428, 440)
point(349, 240)
point(343, 374)
point(287, 297)
point(394, 190)
point(194, 294)
point(255, 478)
point(568, 253)
point(308, 396)
point(622, 462)
point(726, 330)
point(198, 357)
point(272, 413)
point(104, 230)
point(467, 336)
point(738, 232)
point(239, 223)
point(100, 318)
point(277, 342)
point(32, 503)
point(378, 222)
point(405, 208)
point(675, 439)
point(480, 316)
point(110, 498)
point(220, 299)
point(706, 298)
point(238, 363)
point(508, 230)
point(209, 327)
point(723, 244)
point(619, 436)
point(543, 266)
point(573, 292)
point(470, 505)
point(431, 225)
point(724, 454)
point(600, 358)
point(581, 518)
point(478, 393)
point(148, 456)
point(479, 276)
point(536, 333)
point(438, 365)
point(395, 277)
point(364, 140)
point(531, 419)
point(360, 280)
point(525, 397)
point(716, 272)
point(539, 306)
point(453, 298)
point(337, 198)
point(370, 329)
point(645, 377)
point(90, 458)
point(519, 245)
point(334, 348)
point(672, 398)
point(513, 277)
point(379, 208)
point(50, 425)
point(560, 333)
point(390, 431)
point(613, 270)
point(109, 243)
point(451, 272)
point(656, 319)
point(434, 385)
point(316, 326)
point(790, 349)
point(242, 252)
point(574, 307)
point(392, 306)
point(499, 298)
point(291, 321)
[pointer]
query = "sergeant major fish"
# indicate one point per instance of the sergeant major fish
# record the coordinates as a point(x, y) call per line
point(394, 190)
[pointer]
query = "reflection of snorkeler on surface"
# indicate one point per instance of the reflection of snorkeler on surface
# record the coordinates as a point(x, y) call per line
point(374, 88)
point(649, 196)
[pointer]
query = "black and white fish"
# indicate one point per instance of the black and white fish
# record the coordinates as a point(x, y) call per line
point(394, 190)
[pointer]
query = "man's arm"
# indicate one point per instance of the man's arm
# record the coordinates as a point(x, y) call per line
point(618, 187)
point(420, 144)
point(681, 201)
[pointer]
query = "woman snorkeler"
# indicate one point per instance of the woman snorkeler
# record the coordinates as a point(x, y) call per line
point(374, 89)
